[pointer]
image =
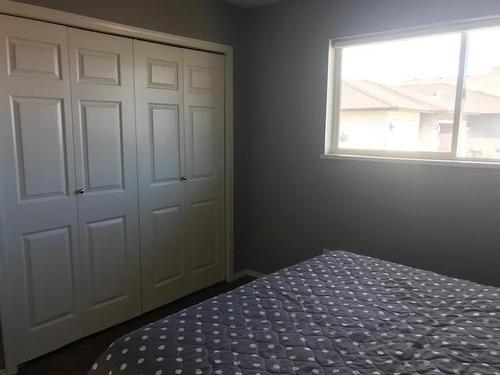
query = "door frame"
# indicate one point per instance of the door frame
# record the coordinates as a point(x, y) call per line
point(38, 13)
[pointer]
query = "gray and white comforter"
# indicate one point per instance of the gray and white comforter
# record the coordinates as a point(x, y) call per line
point(338, 313)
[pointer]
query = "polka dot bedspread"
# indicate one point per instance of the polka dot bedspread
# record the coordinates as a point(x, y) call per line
point(338, 313)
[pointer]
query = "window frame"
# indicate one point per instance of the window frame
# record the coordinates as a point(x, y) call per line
point(332, 151)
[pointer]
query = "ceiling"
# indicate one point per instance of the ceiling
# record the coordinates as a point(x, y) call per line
point(251, 3)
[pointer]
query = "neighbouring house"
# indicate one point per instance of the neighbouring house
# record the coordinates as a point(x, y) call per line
point(418, 115)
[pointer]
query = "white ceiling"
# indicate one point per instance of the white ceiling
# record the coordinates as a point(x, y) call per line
point(251, 3)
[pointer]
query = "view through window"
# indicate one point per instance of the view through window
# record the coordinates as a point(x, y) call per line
point(399, 96)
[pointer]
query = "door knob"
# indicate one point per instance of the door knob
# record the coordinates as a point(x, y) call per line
point(80, 191)
point(184, 178)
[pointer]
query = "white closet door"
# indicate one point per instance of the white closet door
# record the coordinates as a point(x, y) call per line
point(160, 136)
point(102, 91)
point(41, 264)
point(204, 155)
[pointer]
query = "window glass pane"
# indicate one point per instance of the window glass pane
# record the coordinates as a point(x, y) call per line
point(479, 135)
point(399, 95)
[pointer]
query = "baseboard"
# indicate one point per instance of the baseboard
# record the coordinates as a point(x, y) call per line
point(257, 274)
point(248, 272)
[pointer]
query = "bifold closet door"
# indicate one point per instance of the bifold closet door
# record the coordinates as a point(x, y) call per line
point(180, 128)
point(204, 159)
point(41, 261)
point(102, 92)
point(70, 161)
point(160, 137)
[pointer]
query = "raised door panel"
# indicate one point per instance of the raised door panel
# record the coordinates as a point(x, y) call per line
point(103, 145)
point(102, 85)
point(162, 74)
point(49, 270)
point(40, 252)
point(202, 130)
point(204, 235)
point(201, 79)
point(42, 171)
point(108, 258)
point(165, 142)
point(168, 232)
point(204, 188)
point(161, 146)
point(98, 67)
point(33, 58)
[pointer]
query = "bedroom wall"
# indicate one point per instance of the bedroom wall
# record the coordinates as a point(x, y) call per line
point(211, 20)
point(293, 204)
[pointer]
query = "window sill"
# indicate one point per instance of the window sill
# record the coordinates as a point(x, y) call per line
point(415, 161)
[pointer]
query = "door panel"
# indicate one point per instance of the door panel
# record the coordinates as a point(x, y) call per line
point(165, 142)
point(106, 167)
point(41, 263)
point(203, 133)
point(162, 74)
point(108, 262)
point(204, 234)
point(98, 67)
point(168, 230)
point(102, 129)
point(33, 58)
point(50, 276)
point(201, 78)
point(204, 188)
point(160, 137)
point(180, 130)
point(41, 171)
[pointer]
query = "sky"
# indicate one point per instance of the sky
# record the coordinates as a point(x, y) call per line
point(427, 57)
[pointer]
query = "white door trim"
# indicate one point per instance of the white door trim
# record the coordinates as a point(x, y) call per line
point(13, 8)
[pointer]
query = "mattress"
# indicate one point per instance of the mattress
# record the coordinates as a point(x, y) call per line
point(338, 313)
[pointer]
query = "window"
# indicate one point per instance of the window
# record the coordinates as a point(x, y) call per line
point(434, 96)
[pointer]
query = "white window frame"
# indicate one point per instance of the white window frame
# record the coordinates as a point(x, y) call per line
point(332, 151)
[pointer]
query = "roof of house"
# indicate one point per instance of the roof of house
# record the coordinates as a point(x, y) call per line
point(414, 96)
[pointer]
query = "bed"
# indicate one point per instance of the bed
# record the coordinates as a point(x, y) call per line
point(338, 313)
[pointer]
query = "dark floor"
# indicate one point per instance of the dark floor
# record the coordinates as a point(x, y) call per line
point(76, 358)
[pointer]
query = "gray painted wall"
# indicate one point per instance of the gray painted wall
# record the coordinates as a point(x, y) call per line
point(292, 204)
point(212, 20)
